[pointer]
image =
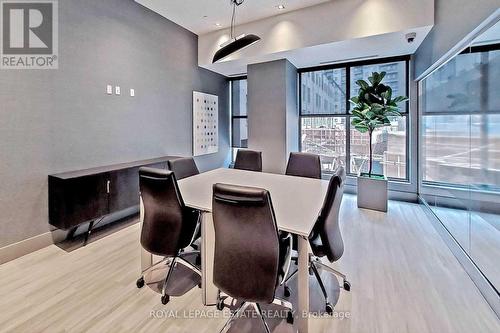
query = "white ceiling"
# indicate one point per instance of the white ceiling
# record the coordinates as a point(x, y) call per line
point(190, 14)
point(385, 45)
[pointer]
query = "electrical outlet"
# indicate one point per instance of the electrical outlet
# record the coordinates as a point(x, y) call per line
point(109, 89)
point(117, 90)
point(132, 92)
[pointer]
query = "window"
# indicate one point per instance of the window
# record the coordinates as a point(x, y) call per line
point(389, 150)
point(332, 90)
point(395, 77)
point(461, 122)
point(325, 124)
point(239, 116)
point(325, 136)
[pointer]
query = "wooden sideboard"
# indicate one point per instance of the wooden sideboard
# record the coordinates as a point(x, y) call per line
point(86, 196)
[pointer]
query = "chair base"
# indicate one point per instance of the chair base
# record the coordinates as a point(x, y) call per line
point(314, 264)
point(178, 259)
point(221, 298)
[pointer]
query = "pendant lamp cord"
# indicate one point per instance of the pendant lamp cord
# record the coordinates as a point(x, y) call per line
point(233, 18)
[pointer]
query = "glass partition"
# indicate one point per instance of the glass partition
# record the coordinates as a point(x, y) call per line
point(460, 149)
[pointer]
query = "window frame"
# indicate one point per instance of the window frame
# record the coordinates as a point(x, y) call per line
point(233, 117)
point(347, 115)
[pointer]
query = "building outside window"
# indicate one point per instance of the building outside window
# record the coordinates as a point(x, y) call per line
point(239, 115)
point(325, 124)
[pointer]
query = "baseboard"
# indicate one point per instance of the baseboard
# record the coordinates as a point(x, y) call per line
point(24, 247)
point(392, 195)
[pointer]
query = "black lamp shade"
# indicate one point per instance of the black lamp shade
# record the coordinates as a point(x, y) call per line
point(235, 46)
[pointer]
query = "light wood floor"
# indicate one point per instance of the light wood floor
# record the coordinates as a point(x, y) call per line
point(478, 234)
point(404, 279)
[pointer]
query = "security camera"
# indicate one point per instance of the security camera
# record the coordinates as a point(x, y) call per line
point(410, 38)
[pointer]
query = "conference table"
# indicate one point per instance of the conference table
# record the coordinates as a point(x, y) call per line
point(297, 202)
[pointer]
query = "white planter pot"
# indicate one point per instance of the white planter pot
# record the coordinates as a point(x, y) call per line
point(372, 193)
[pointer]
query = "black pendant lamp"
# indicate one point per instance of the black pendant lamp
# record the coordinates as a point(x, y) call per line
point(235, 43)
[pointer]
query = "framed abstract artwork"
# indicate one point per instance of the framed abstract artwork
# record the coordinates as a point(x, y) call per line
point(205, 123)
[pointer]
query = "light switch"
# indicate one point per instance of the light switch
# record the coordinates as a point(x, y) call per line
point(132, 92)
point(109, 89)
point(117, 90)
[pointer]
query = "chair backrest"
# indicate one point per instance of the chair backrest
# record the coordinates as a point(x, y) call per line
point(304, 165)
point(183, 167)
point(167, 226)
point(246, 243)
point(327, 225)
point(250, 160)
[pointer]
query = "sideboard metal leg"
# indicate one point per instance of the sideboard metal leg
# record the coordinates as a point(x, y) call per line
point(89, 231)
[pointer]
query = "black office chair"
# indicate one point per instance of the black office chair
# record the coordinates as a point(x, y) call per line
point(250, 160)
point(168, 226)
point(304, 165)
point(183, 167)
point(325, 238)
point(251, 257)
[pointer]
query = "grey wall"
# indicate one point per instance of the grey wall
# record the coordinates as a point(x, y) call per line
point(60, 120)
point(454, 19)
point(272, 112)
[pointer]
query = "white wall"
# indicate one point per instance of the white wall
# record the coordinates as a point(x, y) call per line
point(455, 19)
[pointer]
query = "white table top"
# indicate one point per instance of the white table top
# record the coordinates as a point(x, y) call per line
point(296, 200)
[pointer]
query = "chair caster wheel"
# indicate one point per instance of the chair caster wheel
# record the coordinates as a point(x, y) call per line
point(165, 299)
point(220, 304)
point(199, 285)
point(329, 308)
point(287, 291)
point(140, 282)
point(347, 285)
point(289, 318)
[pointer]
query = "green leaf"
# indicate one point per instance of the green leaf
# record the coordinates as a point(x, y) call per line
point(361, 128)
point(354, 100)
point(393, 114)
point(374, 104)
point(387, 94)
point(393, 109)
point(376, 124)
point(370, 115)
point(400, 99)
point(373, 79)
point(362, 84)
point(358, 114)
point(381, 76)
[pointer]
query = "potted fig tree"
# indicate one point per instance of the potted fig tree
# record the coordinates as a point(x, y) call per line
point(372, 109)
